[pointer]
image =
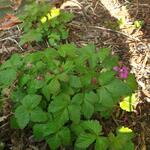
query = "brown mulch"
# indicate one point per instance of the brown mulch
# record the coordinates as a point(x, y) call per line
point(94, 24)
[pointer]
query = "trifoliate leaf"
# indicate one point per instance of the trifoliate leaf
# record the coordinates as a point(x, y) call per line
point(22, 116)
point(85, 140)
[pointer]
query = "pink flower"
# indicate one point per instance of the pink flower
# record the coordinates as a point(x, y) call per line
point(122, 72)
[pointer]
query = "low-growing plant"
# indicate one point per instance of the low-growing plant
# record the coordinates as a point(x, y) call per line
point(138, 24)
point(42, 22)
point(59, 93)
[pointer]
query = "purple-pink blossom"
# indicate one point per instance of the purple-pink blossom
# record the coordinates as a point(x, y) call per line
point(122, 72)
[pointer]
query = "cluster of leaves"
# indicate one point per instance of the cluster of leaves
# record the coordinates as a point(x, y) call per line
point(42, 22)
point(58, 92)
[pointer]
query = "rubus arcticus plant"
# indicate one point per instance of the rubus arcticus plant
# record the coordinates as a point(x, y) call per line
point(57, 93)
point(42, 22)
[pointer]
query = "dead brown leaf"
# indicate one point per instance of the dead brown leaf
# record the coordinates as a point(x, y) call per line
point(8, 21)
point(16, 4)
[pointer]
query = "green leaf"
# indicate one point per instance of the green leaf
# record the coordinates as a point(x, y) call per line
point(87, 109)
point(75, 82)
point(31, 36)
point(74, 113)
point(77, 129)
point(54, 142)
point(38, 115)
point(54, 86)
point(51, 128)
point(65, 136)
point(91, 97)
point(105, 98)
point(101, 143)
point(131, 82)
point(36, 84)
point(129, 103)
point(93, 126)
point(17, 95)
point(58, 104)
point(31, 101)
point(14, 62)
point(118, 88)
point(66, 17)
point(66, 89)
point(39, 130)
point(103, 53)
point(77, 99)
point(62, 116)
point(22, 116)
point(24, 79)
point(63, 77)
point(122, 141)
point(13, 123)
point(64, 34)
point(106, 77)
point(110, 61)
point(85, 140)
point(46, 92)
point(7, 76)
point(67, 50)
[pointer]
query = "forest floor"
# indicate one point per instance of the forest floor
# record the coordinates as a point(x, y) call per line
point(96, 22)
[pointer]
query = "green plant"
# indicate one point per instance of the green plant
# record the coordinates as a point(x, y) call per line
point(122, 141)
point(138, 24)
point(57, 93)
point(43, 22)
